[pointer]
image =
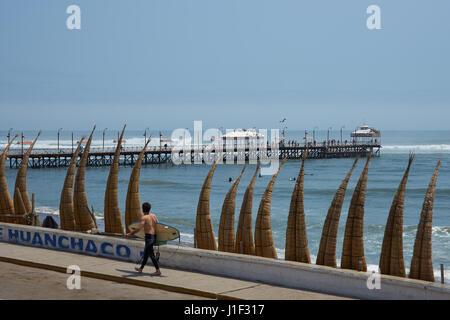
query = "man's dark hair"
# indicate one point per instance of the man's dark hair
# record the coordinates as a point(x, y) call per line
point(146, 207)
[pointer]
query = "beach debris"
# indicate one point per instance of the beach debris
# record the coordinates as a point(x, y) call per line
point(296, 238)
point(112, 214)
point(391, 258)
point(327, 248)
point(32, 218)
point(244, 233)
point(204, 232)
point(6, 202)
point(50, 223)
point(422, 263)
point(264, 246)
point(227, 236)
point(133, 211)
point(353, 247)
point(66, 207)
point(21, 186)
point(82, 213)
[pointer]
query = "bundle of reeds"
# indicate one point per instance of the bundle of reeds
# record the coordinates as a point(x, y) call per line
point(391, 259)
point(296, 238)
point(133, 210)
point(21, 187)
point(264, 246)
point(19, 207)
point(422, 263)
point(204, 233)
point(327, 248)
point(353, 247)
point(112, 215)
point(6, 203)
point(244, 234)
point(227, 237)
point(82, 212)
point(66, 207)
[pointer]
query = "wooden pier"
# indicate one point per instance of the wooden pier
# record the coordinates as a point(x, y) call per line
point(51, 158)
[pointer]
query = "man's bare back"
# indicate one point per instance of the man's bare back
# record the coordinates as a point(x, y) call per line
point(149, 221)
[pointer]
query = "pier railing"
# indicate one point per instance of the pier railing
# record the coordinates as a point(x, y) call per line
point(66, 150)
point(99, 156)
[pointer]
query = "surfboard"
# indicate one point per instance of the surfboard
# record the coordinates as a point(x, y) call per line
point(164, 232)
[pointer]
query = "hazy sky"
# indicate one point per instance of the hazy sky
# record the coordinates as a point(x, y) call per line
point(230, 63)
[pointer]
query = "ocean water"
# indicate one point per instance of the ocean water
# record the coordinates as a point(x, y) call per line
point(173, 190)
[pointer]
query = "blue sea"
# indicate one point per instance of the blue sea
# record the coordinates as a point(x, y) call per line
point(173, 190)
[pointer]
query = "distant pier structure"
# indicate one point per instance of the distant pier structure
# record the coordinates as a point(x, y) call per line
point(363, 141)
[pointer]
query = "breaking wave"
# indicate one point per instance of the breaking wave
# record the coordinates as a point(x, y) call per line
point(430, 148)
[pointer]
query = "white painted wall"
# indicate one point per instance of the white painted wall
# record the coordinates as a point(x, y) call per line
point(277, 272)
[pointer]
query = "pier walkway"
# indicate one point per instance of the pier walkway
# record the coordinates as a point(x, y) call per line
point(178, 281)
point(53, 158)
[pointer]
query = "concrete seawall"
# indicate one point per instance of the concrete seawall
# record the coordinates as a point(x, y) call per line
point(276, 272)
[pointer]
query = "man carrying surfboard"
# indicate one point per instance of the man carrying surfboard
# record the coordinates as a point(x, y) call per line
point(148, 222)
